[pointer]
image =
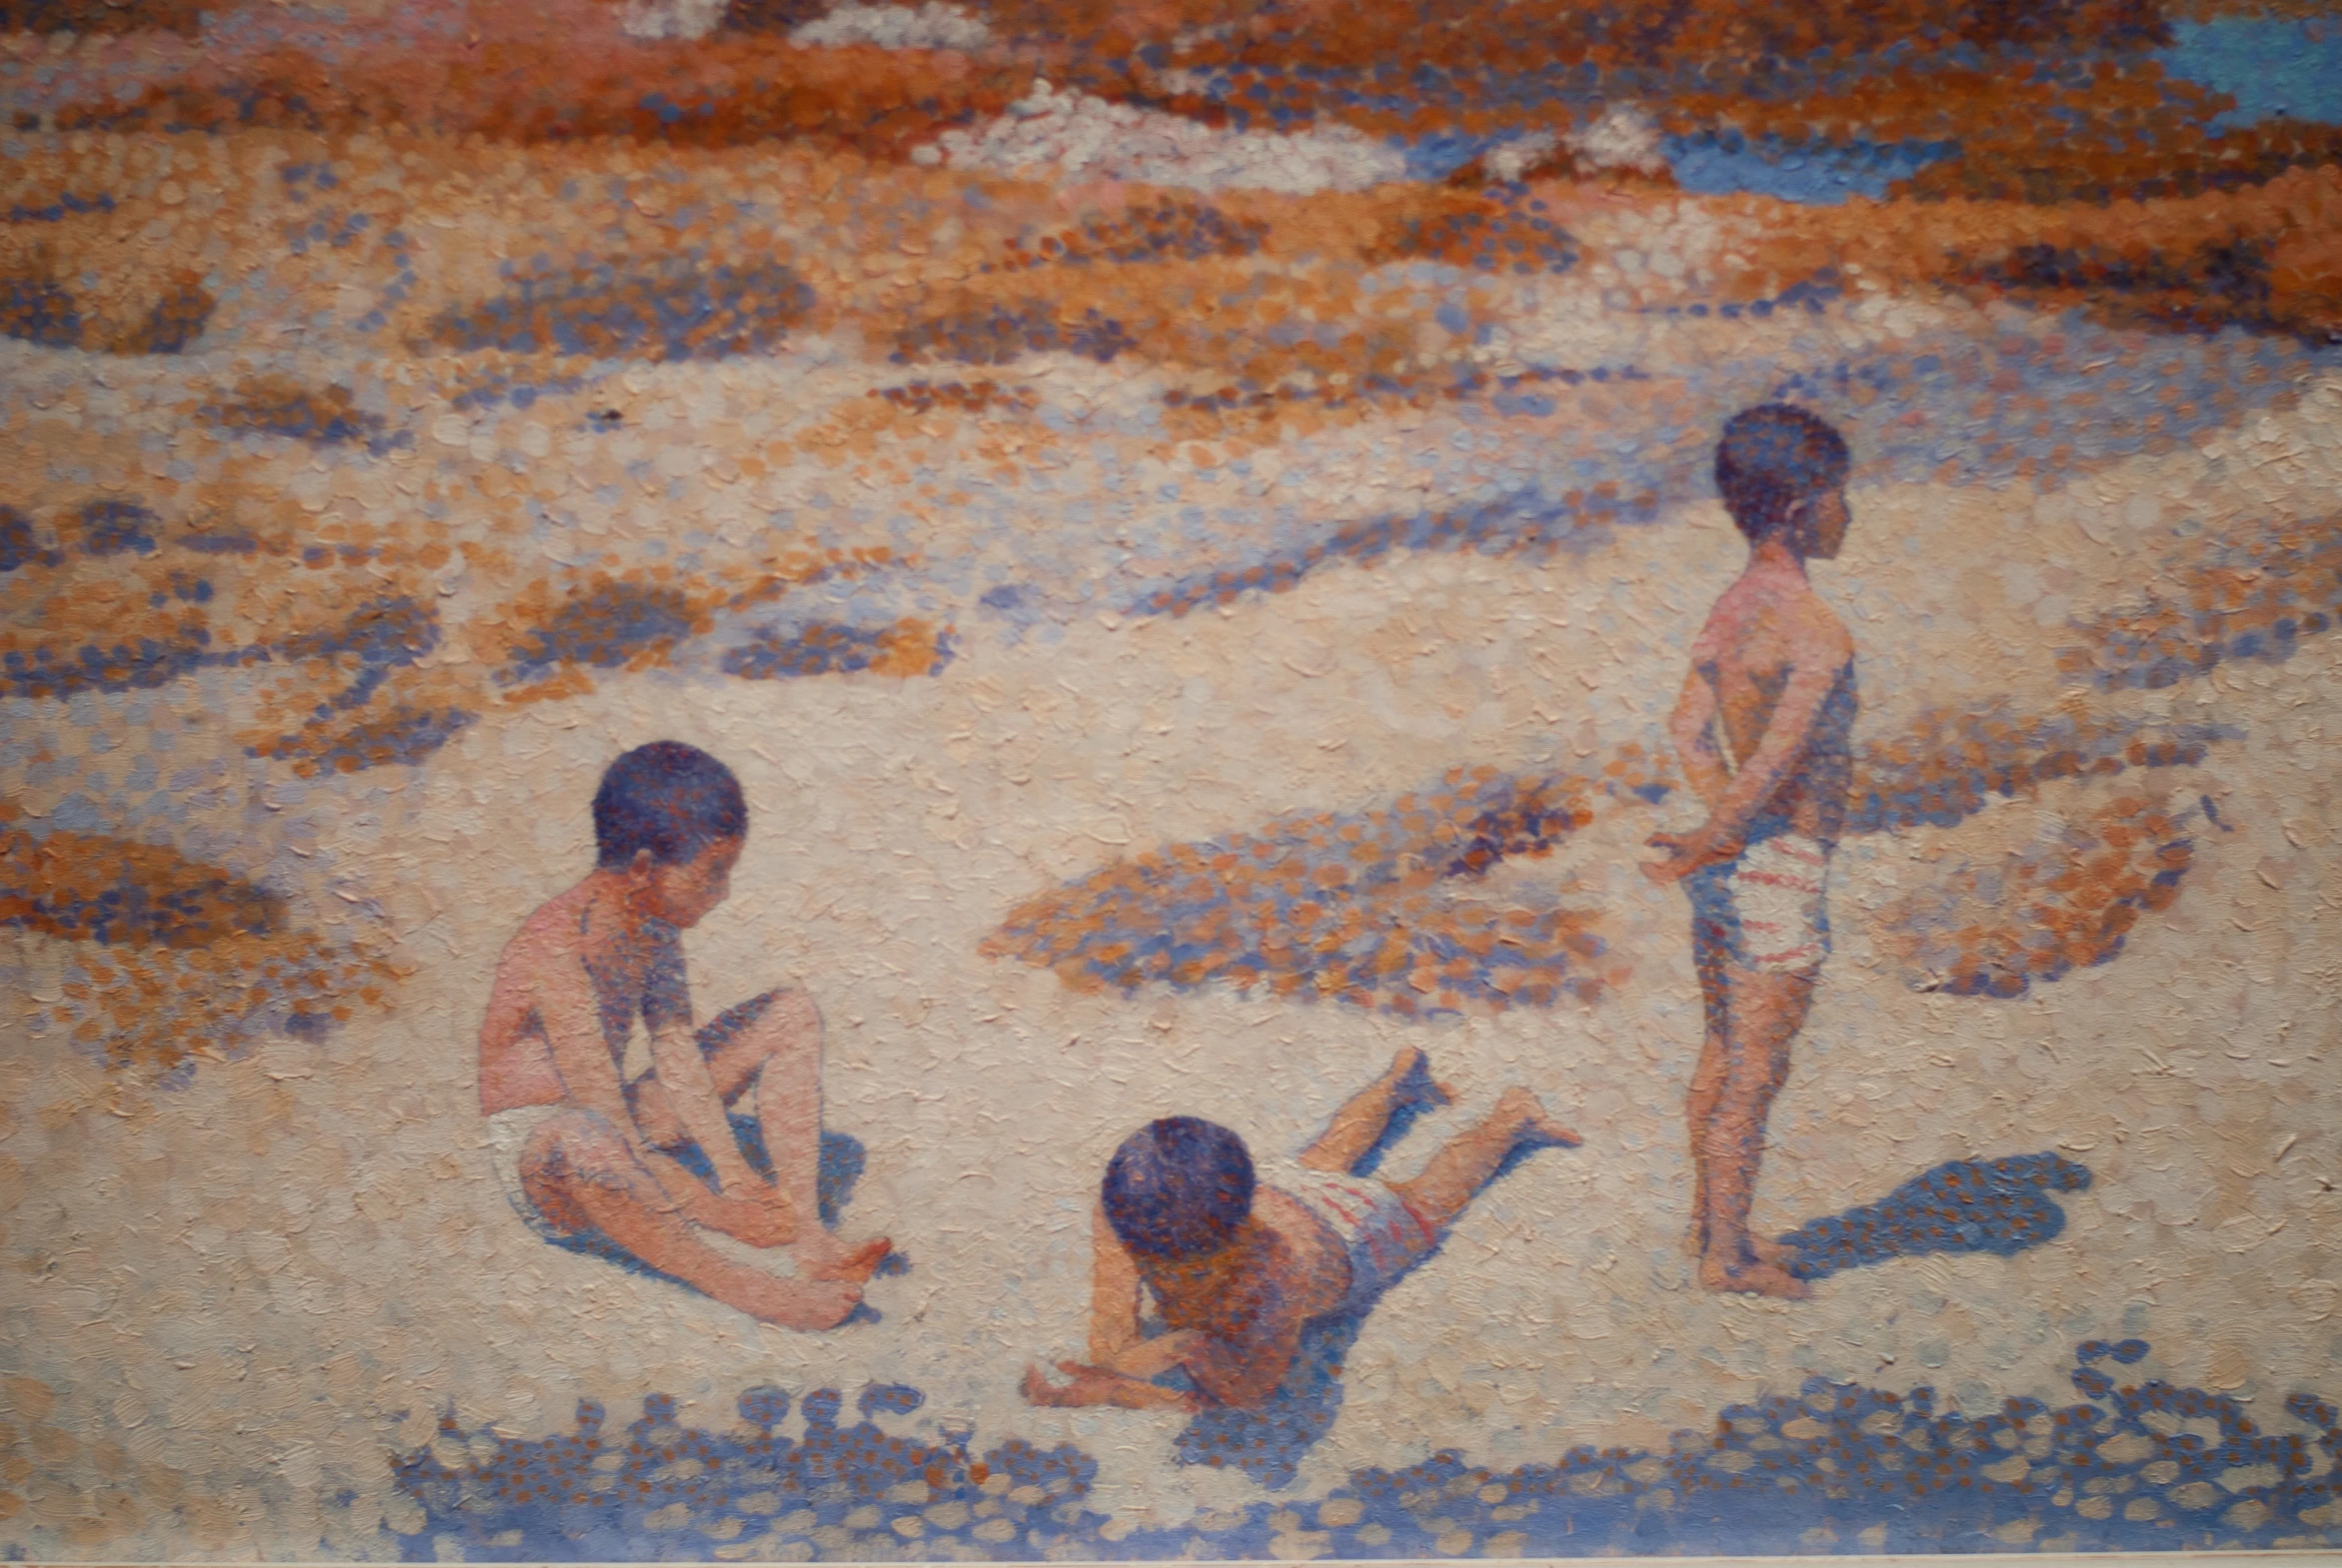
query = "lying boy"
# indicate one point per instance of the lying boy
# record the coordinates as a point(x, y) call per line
point(578, 1149)
point(1773, 669)
point(1239, 1260)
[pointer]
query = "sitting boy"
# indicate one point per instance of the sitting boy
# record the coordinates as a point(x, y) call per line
point(579, 1150)
point(1240, 1261)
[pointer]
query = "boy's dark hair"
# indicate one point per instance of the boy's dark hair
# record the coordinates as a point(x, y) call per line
point(1177, 1187)
point(671, 799)
point(1773, 456)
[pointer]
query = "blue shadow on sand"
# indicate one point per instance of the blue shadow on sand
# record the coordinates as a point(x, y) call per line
point(1963, 1206)
point(841, 1167)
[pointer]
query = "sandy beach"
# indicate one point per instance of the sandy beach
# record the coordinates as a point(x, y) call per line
point(243, 1279)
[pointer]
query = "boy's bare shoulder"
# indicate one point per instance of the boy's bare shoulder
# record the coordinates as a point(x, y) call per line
point(547, 936)
point(1817, 623)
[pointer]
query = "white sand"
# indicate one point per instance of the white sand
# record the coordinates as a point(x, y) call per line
point(271, 1279)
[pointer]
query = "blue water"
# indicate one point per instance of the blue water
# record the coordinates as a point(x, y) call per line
point(2275, 67)
point(1722, 163)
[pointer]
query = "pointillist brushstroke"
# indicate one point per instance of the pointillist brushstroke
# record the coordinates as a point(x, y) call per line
point(1997, 927)
point(127, 665)
point(402, 735)
point(1503, 232)
point(663, 308)
point(909, 647)
point(2247, 595)
point(20, 543)
point(1353, 906)
point(1167, 229)
point(1882, 1470)
point(1953, 761)
point(1267, 1446)
point(99, 16)
point(1999, 1206)
point(84, 888)
point(485, 386)
point(378, 637)
point(611, 625)
point(67, 204)
point(113, 527)
point(177, 960)
point(1496, 528)
point(172, 323)
point(596, 1495)
point(35, 308)
point(999, 333)
point(976, 397)
point(556, 631)
point(281, 406)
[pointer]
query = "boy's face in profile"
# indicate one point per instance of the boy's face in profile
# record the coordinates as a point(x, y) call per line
point(1822, 524)
point(682, 893)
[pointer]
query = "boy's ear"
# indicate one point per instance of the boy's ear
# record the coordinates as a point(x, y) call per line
point(639, 867)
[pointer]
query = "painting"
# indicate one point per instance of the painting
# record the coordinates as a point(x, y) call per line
point(1039, 780)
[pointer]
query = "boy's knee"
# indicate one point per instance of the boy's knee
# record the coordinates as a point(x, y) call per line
point(788, 1023)
point(792, 1010)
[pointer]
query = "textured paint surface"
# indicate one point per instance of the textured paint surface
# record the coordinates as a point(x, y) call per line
point(1188, 523)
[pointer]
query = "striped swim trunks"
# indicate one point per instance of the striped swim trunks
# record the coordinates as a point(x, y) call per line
point(1766, 906)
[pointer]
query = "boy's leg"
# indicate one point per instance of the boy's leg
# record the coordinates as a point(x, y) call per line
point(779, 1052)
point(1763, 1012)
point(579, 1173)
point(1699, 1103)
point(1364, 1116)
point(1463, 1166)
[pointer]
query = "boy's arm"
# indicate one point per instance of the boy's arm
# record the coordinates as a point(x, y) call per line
point(1113, 1293)
point(1692, 726)
point(1821, 652)
point(1243, 1374)
point(682, 1072)
point(574, 1032)
point(1103, 1385)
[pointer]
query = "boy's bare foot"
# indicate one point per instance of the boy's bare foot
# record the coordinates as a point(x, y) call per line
point(1753, 1276)
point(830, 1259)
point(1695, 1245)
point(805, 1304)
point(1411, 1068)
point(1536, 1122)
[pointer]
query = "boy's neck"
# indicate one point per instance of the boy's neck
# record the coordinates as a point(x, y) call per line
point(1771, 556)
point(614, 913)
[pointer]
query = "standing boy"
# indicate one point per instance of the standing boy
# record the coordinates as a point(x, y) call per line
point(1763, 727)
point(579, 1149)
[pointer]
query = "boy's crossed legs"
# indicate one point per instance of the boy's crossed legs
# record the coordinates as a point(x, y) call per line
point(581, 1173)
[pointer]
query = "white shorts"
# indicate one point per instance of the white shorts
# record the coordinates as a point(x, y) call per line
point(1383, 1235)
point(1768, 905)
point(509, 1135)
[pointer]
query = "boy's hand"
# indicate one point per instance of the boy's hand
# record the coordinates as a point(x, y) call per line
point(1099, 1386)
point(757, 1214)
point(1686, 853)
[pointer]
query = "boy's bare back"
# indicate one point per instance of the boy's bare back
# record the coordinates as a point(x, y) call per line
point(540, 977)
